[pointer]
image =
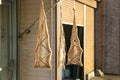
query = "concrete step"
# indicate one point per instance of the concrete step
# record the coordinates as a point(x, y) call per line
point(71, 79)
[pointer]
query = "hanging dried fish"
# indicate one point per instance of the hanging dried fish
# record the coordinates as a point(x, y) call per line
point(43, 51)
point(61, 53)
point(75, 50)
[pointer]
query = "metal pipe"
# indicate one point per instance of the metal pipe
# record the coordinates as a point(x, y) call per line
point(102, 33)
point(56, 45)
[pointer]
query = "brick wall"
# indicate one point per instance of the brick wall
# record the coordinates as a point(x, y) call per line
point(112, 47)
point(28, 13)
point(112, 54)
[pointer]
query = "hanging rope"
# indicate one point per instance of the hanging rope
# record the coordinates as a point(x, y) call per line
point(28, 29)
point(74, 5)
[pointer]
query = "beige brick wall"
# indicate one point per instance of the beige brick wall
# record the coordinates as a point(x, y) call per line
point(28, 12)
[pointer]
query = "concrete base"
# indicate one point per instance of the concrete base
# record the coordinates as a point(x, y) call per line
point(72, 79)
point(90, 75)
point(99, 73)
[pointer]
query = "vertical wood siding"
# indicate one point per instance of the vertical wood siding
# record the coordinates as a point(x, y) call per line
point(67, 12)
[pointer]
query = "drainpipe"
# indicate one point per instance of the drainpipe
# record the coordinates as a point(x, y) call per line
point(102, 33)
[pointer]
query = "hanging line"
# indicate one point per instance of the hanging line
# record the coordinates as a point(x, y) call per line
point(74, 12)
point(74, 5)
point(28, 29)
point(61, 11)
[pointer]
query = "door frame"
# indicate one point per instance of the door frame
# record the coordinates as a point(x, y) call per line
point(12, 36)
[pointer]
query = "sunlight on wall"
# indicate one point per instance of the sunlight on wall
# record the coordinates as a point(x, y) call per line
point(0, 69)
point(0, 2)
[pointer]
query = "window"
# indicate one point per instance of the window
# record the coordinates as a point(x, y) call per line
point(72, 71)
